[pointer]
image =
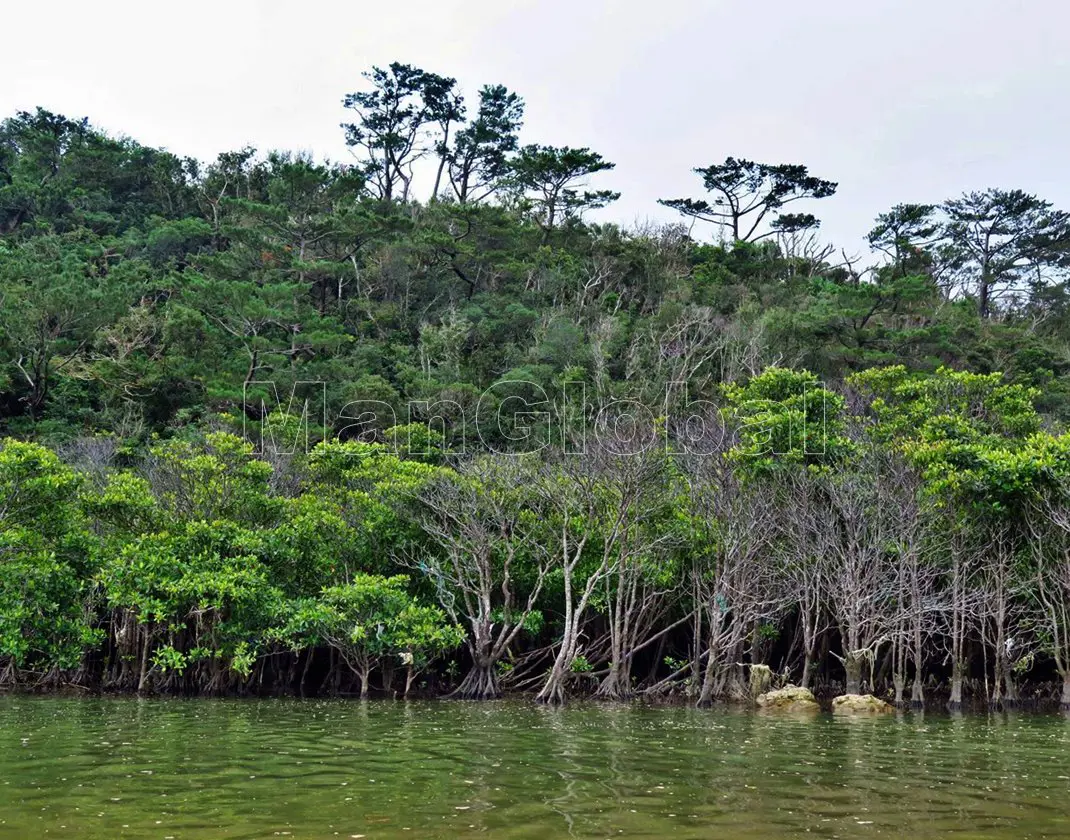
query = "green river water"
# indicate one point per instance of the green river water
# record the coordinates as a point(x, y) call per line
point(108, 768)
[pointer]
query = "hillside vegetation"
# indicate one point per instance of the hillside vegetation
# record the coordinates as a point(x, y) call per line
point(278, 424)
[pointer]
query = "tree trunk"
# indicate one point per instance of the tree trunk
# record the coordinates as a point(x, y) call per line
point(955, 700)
point(738, 686)
point(304, 672)
point(899, 682)
point(480, 683)
point(917, 694)
point(984, 294)
point(387, 669)
point(852, 665)
point(899, 668)
point(553, 692)
point(617, 684)
point(761, 679)
point(1010, 697)
point(143, 665)
point(809, 619)
point(696, 641)
point(705, 697)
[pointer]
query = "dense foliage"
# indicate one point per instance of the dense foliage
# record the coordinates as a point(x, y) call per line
point(256, 413)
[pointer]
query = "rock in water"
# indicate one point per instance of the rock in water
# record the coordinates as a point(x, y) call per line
point(859, 704)
point(790, 698)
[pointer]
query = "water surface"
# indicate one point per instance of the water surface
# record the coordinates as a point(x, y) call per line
point(107, 768)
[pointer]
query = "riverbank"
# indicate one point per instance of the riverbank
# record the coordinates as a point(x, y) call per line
point(1039, 698)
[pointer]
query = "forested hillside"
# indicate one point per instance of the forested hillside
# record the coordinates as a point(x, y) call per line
point(255, 411)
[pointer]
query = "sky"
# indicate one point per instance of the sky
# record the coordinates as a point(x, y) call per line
point(897, 100)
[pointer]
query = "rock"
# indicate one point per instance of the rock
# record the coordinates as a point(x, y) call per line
point(790, 698)
point(859, 704)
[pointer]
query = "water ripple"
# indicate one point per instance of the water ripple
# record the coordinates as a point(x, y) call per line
point(106, 768)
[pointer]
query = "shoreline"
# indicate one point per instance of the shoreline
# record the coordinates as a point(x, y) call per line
point(1035, 706)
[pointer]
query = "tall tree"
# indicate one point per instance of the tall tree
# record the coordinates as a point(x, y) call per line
point(447, 109)
point(903, 233)
point(746, 194)
point(56, 294)
point(553, 178)
point(999, 242)
point(486, 524)
point(479, 158)
point(59, 174)
point(393, 122)
point(597, 504)
point(855, 517)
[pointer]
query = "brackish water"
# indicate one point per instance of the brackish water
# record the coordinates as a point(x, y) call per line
point(108, 768)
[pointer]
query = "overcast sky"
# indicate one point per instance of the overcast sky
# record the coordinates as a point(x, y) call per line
point(898, 100)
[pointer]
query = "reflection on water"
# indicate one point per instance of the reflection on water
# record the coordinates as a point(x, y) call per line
point(197, 769)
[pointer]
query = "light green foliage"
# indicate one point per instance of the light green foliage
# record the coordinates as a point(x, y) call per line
point(976, 437)
point(46, 556)
point(217, 480)
point(785, 417)
point(312, 545)
point(947, 404)
point(580, 665)
point(37, 491)
point(371, 484)
point(369, 619)
point(200, 591)
point(124, 505)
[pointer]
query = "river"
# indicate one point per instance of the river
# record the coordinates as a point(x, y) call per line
point(108, 768)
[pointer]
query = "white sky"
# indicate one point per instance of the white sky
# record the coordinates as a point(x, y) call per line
point(898, 100)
